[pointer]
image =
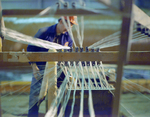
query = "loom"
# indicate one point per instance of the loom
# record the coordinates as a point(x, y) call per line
point(121, 57)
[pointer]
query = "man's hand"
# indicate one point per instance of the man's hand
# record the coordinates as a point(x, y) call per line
point(40, 101)
point(36, 71)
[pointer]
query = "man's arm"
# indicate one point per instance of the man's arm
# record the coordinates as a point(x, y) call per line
point(31, 48)
point(70, 43)
point(36, 71)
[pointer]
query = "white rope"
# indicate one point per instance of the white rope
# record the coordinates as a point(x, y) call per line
point(82, 30)
point(140, 86)
point(92, 70)
point(78, 33)
point(104, 39)
point(21, 38)
point(82, 93)
point(128, 110)
point(61, 91)
point(100, 78)
point(66, 98)
point(114, 40)
point(90, 100)
point(76, 76)
point(82, 72)
point(136, 91)
point(103, 73)
point(48, 11)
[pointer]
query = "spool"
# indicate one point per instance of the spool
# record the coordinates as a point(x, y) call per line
point(138, 27)
point(81, 49)
point(71, 49)
point(86, 49)
point(76, 49)
point(92, 50)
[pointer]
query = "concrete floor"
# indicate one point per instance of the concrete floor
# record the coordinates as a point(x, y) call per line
point(136, 105)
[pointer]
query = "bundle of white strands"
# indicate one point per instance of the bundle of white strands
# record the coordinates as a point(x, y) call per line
point(83, 77)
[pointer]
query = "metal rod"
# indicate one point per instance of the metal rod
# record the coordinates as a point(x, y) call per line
point(126, 32)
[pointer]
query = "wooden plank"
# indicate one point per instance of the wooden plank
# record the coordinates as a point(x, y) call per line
point(12, 12)
point(48, 56)
point(9, 86)
point(33, 12)
point(126, 36)
point(0, 27)
point(113, 8)
point(0, 105)
point(140, 58)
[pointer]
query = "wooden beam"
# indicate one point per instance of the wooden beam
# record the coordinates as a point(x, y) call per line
point(141, 58)
point(123, 57)
point(12, 12)
point(60, 12)
point(0, 27)
point(0, 106)
point(0, 49)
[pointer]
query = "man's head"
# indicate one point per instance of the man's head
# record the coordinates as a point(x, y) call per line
point(61, 27)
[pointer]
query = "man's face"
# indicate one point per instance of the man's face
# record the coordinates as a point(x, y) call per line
point(63, 28)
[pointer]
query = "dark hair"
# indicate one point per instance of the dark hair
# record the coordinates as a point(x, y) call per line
point(65, 20)
point(59, 19)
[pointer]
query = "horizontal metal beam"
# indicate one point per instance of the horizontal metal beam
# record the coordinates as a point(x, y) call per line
point(111, 57)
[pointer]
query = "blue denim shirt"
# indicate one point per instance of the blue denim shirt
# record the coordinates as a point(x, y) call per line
point(48, 34)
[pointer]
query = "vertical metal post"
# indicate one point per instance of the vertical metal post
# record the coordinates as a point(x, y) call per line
point(126, 34)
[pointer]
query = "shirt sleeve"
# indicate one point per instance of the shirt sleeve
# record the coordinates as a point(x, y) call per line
point(41, 35)
point(70, 43)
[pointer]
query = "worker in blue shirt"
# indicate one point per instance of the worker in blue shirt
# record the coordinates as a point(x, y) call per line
point(58, 34)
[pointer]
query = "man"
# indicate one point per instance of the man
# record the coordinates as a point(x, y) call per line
point(58, 34)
